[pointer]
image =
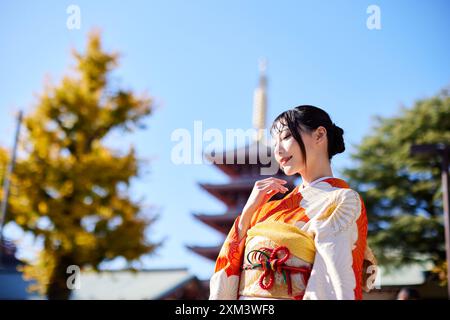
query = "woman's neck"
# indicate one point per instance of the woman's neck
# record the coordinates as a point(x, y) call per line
point(313, 175)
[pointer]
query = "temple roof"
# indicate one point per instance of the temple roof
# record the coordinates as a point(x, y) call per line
point(241, 160)
point(154, 284)
point(230, 192)
point(208, 252)
point(220, 222)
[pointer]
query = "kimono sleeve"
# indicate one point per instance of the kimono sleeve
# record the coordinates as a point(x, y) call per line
point(340, 239)
point(224, 283)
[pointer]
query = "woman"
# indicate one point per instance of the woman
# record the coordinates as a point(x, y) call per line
point(312, 243)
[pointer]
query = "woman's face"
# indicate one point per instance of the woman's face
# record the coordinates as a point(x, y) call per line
point(288, 153)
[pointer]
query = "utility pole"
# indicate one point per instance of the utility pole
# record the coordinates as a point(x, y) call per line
point(7, 182)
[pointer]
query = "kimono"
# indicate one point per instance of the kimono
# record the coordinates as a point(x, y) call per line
point(309, 245)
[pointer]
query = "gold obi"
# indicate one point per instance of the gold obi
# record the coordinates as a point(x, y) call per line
point(277, 261)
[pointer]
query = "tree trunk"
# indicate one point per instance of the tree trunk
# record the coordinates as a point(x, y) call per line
point(57, 288)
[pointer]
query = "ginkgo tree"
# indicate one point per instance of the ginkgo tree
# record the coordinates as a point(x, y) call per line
point(69, 188)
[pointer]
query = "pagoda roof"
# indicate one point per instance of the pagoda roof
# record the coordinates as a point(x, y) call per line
point(229, 192)
point(249, 157)
point(233, 185)
point(220, 222)
point(210, 253)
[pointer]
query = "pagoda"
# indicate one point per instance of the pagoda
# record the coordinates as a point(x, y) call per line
point(242, 174)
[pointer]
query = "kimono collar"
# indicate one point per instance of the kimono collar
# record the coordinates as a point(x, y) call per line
point(302, 186)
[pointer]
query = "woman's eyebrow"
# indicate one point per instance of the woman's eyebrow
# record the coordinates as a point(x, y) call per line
point(279, 134)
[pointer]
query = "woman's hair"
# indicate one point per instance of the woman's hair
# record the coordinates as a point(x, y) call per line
point(308, 118)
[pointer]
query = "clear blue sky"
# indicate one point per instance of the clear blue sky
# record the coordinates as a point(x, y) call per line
point(198, 59)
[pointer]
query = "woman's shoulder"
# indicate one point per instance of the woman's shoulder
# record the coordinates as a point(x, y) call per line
point(342, 191)
point(347, 195)
point(343, 210)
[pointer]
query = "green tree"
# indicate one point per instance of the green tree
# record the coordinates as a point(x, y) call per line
point(403, 194)
point(69, 188)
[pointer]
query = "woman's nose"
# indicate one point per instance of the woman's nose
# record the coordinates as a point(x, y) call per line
point(279, 149)
point(276, 149)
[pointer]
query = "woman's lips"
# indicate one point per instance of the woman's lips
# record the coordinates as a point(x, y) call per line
point(284, 160)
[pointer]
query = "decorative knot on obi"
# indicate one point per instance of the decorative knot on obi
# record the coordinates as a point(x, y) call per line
point(270, 261)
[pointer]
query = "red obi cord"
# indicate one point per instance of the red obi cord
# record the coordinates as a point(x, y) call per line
point(268, 260)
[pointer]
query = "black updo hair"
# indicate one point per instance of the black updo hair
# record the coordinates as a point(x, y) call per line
point(309, 118)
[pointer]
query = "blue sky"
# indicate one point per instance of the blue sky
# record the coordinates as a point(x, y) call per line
point(198, 59)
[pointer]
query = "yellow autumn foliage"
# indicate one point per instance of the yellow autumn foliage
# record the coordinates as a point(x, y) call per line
point(67, 176)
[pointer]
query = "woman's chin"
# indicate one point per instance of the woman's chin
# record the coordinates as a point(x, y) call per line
point(289, 171)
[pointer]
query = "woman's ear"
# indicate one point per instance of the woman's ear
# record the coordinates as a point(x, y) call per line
point(320, 134)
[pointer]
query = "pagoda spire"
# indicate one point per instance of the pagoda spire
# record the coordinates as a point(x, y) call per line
point(260, 102)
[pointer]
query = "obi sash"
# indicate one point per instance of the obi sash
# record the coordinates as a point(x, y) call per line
point(277, 261)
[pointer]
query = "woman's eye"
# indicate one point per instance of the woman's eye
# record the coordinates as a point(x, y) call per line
point(287, 136)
